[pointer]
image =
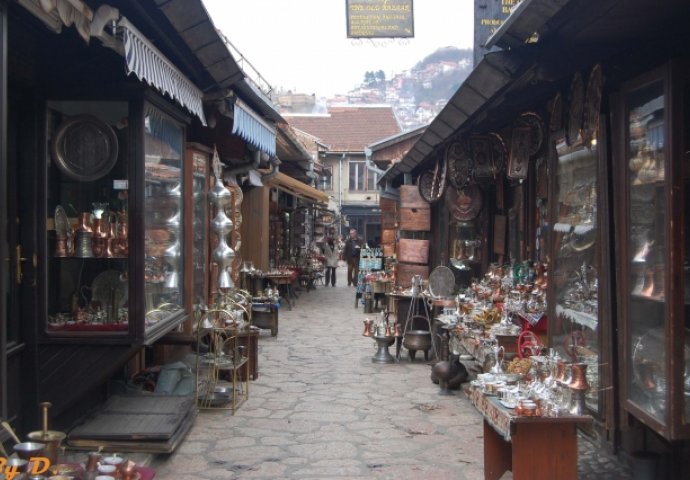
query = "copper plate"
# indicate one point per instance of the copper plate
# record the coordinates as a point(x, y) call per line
point(518, 161)
point(84, 148)
point(464, 204)
point(556, 113)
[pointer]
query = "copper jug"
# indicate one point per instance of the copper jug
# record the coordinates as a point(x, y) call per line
point(368, 323)
point(560, 371)
point(579, 377)
point(84, 222)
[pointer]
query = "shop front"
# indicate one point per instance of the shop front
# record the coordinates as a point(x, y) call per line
point(107, 167)
point(562, 183)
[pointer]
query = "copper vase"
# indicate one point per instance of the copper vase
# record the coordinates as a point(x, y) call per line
point(579, 377)
point(84, 222)
point(560, 372)
point(368, 323)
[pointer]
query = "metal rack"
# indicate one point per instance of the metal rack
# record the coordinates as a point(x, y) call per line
point(221, 384)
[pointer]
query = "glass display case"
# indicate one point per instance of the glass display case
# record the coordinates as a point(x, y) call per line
point(574, 302)
point(87, 209)
point(653, 229)
point(97, 283)
point(163, 219)
point(199, 158)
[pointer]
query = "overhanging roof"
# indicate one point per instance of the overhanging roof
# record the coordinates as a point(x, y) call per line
point(492, 74)
point(526, 18)
point(296, 188)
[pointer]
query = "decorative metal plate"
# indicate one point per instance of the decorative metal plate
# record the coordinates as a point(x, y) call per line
point(459, 161)
point(536, 126)
point(432, 183)
point(590, 120)
point(488, 155)
point(464, 204)
point(518, 160)
point(84, 148)
point(442, 282)
point(575, 107)
point(109, 287)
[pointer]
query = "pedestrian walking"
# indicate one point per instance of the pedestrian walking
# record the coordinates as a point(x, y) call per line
point(353, 246)
point(332, 254)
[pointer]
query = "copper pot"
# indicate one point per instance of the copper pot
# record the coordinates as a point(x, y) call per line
point(417, 340)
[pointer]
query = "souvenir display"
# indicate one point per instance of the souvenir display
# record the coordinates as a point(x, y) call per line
point(520, 147)
point(536, 126)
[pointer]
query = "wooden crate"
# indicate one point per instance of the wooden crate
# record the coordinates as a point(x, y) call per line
point(405, 271)
point(415, 219)
point(388, 236)
point(410, 197)
point(389, 219)
point(413, 251)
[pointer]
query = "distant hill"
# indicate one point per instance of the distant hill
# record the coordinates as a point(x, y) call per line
point(417, 95)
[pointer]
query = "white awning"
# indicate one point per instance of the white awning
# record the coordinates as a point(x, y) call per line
point(151, 66)
point(253, 129)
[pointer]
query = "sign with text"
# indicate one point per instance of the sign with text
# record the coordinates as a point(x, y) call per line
point(380, 19)
point(488, 16)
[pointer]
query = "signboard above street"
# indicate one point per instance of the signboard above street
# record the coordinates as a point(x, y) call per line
point(380, 19)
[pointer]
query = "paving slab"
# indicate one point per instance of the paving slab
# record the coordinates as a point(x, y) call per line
point(321, 409)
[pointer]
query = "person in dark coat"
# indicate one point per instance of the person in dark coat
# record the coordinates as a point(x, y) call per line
point(353, 246)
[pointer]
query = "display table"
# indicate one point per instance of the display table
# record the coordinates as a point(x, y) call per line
point(532, 447)
point(265, 315)
point(285, 283)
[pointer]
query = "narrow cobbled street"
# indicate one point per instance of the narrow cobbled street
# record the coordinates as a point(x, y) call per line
point(321, 409)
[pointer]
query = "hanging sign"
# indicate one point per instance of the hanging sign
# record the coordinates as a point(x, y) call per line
point(380, 19)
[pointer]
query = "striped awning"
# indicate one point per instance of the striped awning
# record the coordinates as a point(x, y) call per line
point(151, 66)
point(252, 128)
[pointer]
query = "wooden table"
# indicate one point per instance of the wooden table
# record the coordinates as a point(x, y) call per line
point(532, 447)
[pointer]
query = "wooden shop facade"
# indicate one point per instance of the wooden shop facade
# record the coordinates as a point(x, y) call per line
point(110, 117)
point(567, 146)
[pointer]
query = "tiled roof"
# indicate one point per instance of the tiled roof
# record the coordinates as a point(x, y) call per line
point(348, 128)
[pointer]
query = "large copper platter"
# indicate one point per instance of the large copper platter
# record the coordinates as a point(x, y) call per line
point(465, 203)
point(84, 148)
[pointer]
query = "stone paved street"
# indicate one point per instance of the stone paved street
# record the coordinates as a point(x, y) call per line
point(321, 409)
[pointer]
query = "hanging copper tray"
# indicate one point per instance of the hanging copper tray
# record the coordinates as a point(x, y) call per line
point(459, 161)
point(575, 107)
point(84, 148)
point(464, 204)
point(592, 103)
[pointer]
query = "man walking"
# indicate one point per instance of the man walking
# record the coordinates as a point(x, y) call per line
point(353, 245)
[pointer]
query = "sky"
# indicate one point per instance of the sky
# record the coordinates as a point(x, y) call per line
point(302, 45)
